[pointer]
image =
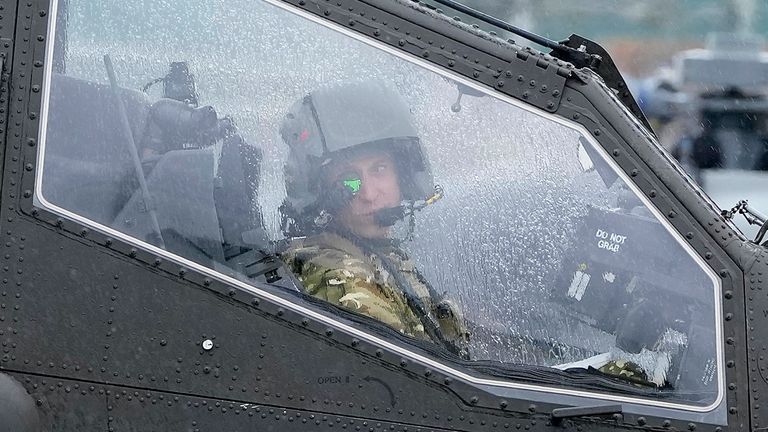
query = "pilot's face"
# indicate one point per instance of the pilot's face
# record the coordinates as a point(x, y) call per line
point(379, 188)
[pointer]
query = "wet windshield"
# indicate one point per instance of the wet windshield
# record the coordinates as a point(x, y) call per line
point(391, 190)
point(714, 124)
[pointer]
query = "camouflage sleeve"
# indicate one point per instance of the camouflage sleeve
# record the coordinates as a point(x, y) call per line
point(627, 370)
point(452, 324)
point(350, 283)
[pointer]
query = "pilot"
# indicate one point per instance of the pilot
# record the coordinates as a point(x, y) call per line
point(355, 168)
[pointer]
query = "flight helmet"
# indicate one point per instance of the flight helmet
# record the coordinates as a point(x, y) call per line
point(338, 122)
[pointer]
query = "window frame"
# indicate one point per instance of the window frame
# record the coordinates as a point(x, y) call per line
point(40, 201)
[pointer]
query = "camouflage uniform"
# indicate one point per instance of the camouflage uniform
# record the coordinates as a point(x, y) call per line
point(628, 371)
point(334, 269)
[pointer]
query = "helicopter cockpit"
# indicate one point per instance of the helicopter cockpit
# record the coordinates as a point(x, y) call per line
point(557, 261)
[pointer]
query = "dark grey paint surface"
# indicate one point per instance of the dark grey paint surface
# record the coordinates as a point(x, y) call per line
point(81, 310)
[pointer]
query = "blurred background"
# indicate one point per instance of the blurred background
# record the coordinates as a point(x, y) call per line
point(699, 69)
point(641, 35)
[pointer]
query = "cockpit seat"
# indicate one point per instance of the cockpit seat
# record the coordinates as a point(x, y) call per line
point(88, 166)
point(202, 200)
point(181, 193)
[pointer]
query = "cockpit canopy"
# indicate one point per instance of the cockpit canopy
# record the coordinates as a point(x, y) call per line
point(549, 249)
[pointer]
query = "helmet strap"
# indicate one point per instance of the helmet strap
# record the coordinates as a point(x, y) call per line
point(411, 226)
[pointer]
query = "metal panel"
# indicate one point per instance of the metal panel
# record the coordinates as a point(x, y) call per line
point(59, 272)
point(66, 405)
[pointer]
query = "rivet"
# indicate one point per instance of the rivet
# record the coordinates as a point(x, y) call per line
point(532, 408)
point(733, 410)
point(724, 273)
point(730, 341)
point(616, 152)
point(730, 364)
point(708, 255)
point(329, 332)
point(596, 132)
point(671, 214)
point(28, 167)
point(652, 193)
point(641, 421)
point(474, 400)
point(728, 316)
point(255, 301)
point(503, 404)
point(729, 294)
point(691, 426)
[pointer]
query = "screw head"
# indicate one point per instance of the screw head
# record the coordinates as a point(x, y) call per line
point(207, 344)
